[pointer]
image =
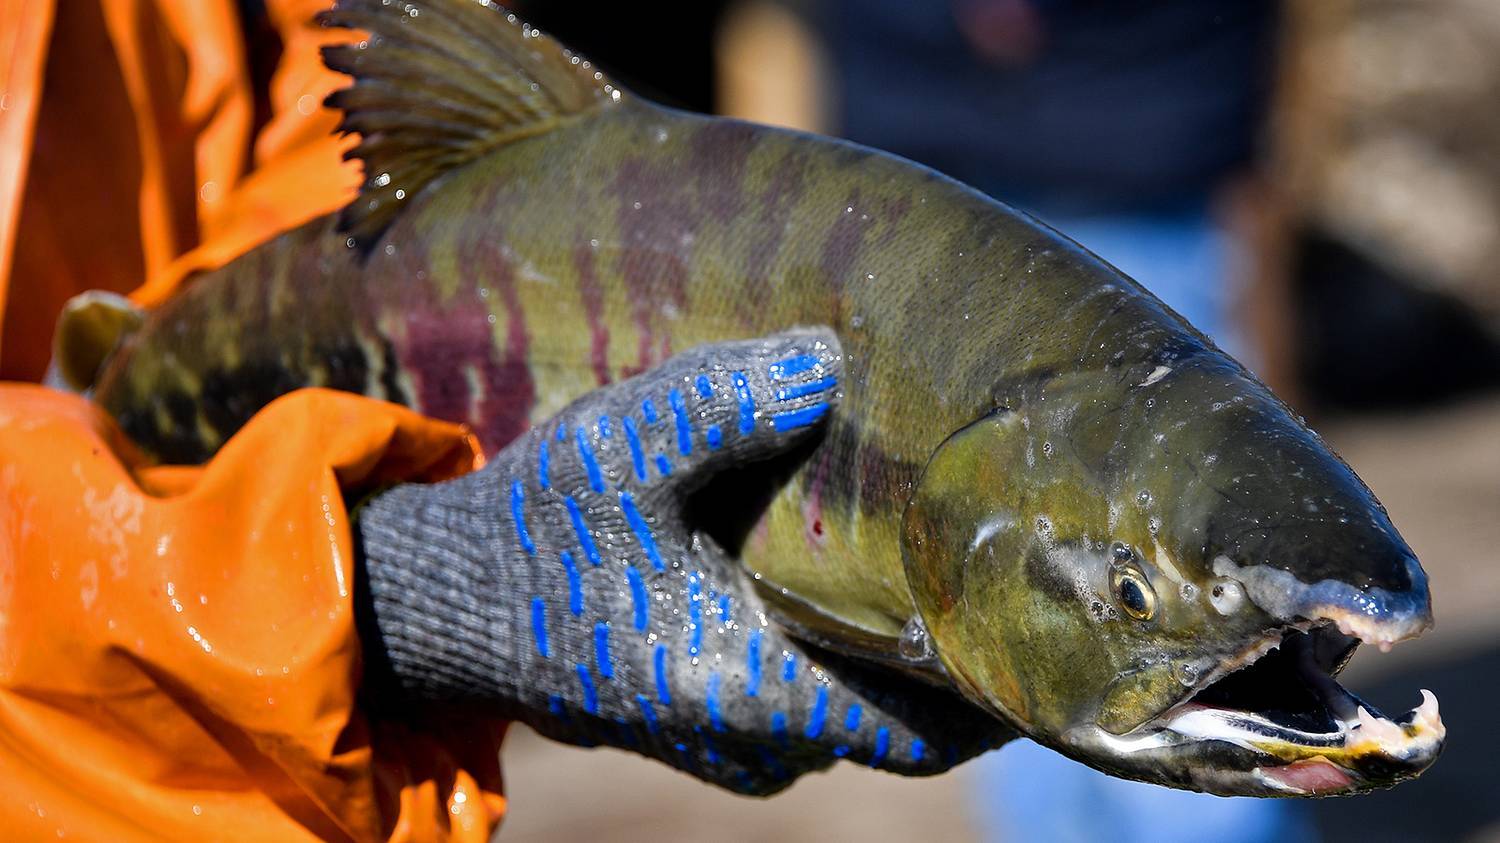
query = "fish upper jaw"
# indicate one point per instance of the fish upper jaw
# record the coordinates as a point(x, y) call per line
point(1373, 615)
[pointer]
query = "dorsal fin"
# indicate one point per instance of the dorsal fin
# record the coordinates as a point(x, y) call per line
point(439, 83)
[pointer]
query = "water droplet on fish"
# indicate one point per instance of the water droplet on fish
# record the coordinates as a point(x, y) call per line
point(1189, 592)
point(1144, 499)
point(1187, 674)
point(1047, 449)
point(856, 321)
point(914, 643)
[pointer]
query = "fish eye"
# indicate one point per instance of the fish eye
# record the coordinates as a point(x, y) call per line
point(1134, 593)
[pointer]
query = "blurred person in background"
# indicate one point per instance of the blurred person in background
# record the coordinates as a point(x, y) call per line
point(1132, 127)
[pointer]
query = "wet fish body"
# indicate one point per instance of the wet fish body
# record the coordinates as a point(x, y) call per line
point(1096, 516)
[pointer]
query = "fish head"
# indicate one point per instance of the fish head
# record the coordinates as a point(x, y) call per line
point(1158, 570)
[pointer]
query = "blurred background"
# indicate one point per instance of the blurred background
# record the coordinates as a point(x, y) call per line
point(1315, 183)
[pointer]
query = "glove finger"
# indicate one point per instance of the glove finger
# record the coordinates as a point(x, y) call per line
point(667, 431)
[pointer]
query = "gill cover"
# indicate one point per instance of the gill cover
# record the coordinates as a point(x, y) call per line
point(1045, 602)
point(1003, 628)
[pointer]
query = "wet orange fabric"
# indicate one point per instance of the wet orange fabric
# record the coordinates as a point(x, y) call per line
point(137, 145)
point(178, 657)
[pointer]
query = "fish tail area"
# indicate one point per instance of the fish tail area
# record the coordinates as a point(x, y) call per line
point(439, 83)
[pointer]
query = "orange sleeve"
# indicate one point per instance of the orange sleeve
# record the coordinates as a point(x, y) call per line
point(177, 652)
point(178, 656)
point(136, 149)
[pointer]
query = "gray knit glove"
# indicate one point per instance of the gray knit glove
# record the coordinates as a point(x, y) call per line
point(565, 585)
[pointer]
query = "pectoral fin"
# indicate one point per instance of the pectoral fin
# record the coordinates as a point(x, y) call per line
point(807, 622)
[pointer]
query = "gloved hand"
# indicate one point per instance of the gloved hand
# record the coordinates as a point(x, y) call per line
point(565, 585)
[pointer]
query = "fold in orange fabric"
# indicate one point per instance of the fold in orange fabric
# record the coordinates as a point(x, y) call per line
point(178, 652)
point(143, 140)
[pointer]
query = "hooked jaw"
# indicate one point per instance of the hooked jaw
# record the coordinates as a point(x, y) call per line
point(1302, 733)
point(1271, 720)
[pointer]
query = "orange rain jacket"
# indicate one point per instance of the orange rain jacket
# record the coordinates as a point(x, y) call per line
point(178, 657)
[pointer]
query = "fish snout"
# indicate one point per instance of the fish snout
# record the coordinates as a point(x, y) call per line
point(1375, 614)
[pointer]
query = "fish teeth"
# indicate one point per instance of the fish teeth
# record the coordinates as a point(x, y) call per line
point(1377, 729)
point(1426, 715)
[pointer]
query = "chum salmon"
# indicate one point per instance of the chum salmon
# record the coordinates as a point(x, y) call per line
point(1099, 527)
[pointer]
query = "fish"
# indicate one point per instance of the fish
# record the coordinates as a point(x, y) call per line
point(1043, 489)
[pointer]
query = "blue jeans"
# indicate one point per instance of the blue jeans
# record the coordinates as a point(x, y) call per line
point(1025, 792)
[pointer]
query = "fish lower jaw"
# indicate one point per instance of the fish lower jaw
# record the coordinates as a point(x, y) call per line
point(1273, 721)
point(1324, 763)
point(1282, 705)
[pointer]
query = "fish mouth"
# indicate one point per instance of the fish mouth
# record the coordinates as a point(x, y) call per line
point(1273, 721)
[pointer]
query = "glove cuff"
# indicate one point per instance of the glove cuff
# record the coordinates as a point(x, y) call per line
point(429, 556)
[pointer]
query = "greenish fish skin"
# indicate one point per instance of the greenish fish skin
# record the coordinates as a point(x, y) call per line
point(1025, 434)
